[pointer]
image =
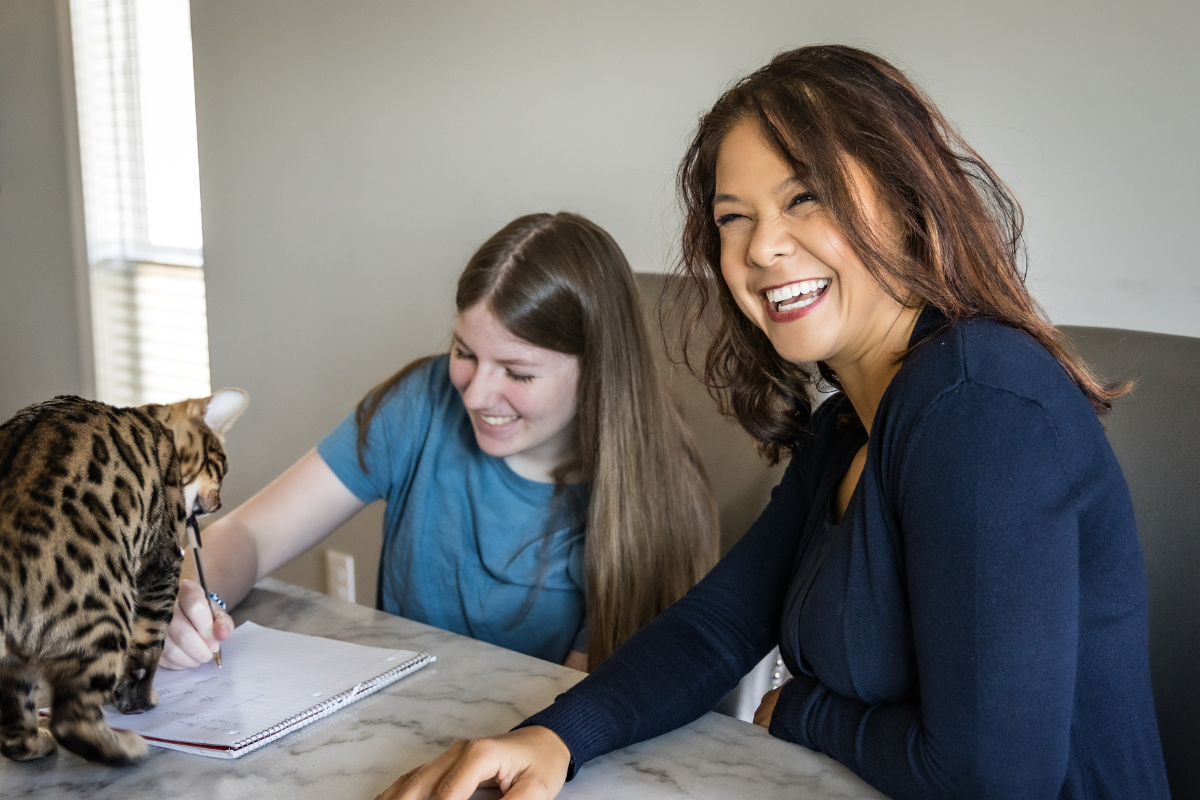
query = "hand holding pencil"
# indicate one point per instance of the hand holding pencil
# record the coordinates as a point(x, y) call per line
point(197, 629)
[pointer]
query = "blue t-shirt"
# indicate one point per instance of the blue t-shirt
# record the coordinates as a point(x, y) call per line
point(468, 545)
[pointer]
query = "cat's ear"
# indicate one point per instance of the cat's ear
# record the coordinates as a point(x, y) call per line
point(224, 407)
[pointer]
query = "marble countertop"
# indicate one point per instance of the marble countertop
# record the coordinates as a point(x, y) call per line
point(474, 689)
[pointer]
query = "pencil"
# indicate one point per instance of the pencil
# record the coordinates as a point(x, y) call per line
point(194, 540)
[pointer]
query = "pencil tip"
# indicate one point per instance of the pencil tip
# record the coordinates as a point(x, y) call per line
point(217, 658)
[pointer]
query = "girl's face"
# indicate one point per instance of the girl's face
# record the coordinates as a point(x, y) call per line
point(787, 265)
point(520, 397)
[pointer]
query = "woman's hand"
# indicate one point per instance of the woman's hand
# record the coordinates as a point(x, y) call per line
point(527, 764)
point(194, 634)
point(767, 707)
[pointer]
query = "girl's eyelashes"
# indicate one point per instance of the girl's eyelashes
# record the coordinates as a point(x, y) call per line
point(464, 355)
point(725, 219)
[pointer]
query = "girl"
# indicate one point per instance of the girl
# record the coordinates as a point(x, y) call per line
point(542, 491)
point(950, 565)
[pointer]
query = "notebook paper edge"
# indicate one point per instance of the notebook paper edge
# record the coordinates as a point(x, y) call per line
point(301, 719)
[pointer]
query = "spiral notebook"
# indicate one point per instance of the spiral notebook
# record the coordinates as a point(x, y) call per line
point(273, 682)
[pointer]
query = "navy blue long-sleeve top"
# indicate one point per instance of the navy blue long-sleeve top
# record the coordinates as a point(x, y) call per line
point(978, 624)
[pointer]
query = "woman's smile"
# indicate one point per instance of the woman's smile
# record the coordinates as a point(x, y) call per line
point(794, 300)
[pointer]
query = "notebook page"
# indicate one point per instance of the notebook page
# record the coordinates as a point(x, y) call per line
point(268, 676)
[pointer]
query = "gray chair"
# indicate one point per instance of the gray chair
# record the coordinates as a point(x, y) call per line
point(1155, 432)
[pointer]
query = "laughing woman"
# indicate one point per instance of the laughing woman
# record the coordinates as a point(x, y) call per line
point(950, 565)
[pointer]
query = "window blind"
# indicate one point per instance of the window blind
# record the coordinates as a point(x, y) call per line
point(141, 192)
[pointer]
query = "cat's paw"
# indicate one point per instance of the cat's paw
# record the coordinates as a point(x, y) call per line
point(28, 747)
point(96, 741)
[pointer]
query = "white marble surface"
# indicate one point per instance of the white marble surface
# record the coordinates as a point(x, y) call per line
point(474, 689)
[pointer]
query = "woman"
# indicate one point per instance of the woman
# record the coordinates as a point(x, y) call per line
point(950, 564)
point(541, 462)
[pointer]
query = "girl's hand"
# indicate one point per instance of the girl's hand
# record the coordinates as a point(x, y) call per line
point(527, 764)
point(194, 634)
point(767, 707)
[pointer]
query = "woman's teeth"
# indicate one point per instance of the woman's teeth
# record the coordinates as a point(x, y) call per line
point(806, 291)
point(497, 421)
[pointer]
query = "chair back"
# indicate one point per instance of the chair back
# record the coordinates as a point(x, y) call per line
point(741, 480)
point(1155, 432)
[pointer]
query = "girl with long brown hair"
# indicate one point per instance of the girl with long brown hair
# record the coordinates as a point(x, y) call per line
point(950, 564)
point(543, 492)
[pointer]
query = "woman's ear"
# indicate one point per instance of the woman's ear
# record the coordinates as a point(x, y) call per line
point(224, 407)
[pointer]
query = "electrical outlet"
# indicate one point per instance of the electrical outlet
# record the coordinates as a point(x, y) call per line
point(339, 575)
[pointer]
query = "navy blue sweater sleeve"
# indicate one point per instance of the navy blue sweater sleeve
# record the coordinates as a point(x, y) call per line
point(681, 664)
point(990, 552)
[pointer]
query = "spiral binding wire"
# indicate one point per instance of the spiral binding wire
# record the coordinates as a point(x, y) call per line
point(335, 703)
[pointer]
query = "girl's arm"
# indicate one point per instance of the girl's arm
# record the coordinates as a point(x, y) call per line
point(291, 515)
point(576, 660)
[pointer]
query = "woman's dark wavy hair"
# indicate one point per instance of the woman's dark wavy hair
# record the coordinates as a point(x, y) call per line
point(823, 108)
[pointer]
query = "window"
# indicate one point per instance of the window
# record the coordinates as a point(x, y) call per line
point(141, 198)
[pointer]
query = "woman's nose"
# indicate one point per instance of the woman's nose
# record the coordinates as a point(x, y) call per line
point(770, 242)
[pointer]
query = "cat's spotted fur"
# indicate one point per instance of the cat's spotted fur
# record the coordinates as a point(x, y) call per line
point(93, 501)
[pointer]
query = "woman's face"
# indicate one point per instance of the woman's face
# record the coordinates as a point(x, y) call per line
point(788, 266)
point(520, 397)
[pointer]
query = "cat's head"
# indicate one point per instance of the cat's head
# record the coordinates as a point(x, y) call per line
point(198, 427)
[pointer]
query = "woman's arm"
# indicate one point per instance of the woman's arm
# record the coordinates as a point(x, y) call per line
point(990, 538)
point(292, 514)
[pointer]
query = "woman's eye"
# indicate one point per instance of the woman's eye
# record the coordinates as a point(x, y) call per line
point(463, 354)
point(516, 376)
point(802, 198)
point(725, 219)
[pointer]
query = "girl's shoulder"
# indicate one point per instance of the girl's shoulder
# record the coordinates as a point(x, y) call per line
point(425, 388)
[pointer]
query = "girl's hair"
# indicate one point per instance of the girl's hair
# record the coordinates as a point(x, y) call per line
point(825, 108)
point(560, 282)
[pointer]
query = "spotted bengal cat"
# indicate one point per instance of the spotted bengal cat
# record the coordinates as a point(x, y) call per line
point(93, 501)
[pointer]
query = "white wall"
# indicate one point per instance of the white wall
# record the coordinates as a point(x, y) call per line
point(354, 152)
point(39, 339)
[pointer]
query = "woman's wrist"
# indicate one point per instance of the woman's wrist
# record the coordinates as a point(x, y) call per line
point(552, 746)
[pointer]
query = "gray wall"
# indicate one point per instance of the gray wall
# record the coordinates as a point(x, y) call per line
point(354, 153)
point(39, 333)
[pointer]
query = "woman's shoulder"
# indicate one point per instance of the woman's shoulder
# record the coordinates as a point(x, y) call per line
point(980, 375)
point(983, 355)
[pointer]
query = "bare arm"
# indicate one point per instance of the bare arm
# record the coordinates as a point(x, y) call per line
point(292, 514)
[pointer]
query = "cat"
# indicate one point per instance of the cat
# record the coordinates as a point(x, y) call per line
point(93, 505)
